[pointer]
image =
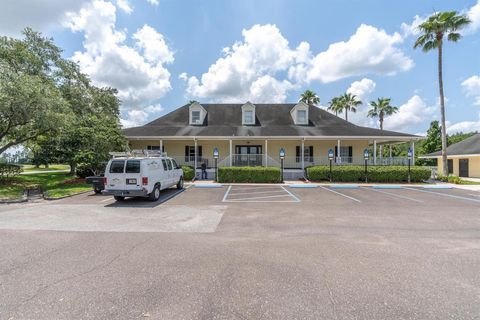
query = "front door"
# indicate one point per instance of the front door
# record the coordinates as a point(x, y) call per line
point(463, 167)
point(248, 156)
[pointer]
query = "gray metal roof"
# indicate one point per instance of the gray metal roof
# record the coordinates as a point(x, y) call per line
point(470, 145)
point(225, 120)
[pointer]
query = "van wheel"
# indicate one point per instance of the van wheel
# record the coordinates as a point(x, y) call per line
point(97, 190)
point(180, 183)
point(118, 198)
point(155, 194)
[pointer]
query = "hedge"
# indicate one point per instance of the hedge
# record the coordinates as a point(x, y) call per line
point(375, 173)
point(188, 173)
point(249, 174)
point(8, 170)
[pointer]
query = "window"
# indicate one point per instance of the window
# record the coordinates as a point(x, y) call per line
point(164, 165)
point(175, 165)
point(302, 116)
point(153, 147)
point(346, 154)
point(190, 153)
point(195, 117)
point(248, 117)
point(133, 166)
point(169, 164)
point(307, 154)
point(117, 166)
point(450, 166)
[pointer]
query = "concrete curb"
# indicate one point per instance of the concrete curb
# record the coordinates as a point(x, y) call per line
point(63, 197)
point(22, 200)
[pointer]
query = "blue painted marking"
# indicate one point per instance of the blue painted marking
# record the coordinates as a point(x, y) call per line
point(209, 185)
point(340, 186)
point(302, 186)
point(386, 187)
point(437, 187)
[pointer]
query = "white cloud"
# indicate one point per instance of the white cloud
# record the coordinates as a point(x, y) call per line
point(368, 51)
point(154, 108)
point(464, 126)
point(362, 89)
point(264, 56)
point(473, 14)
point(153, 2)
point(413, 112)
point(472, 88)
point(125, 6)
point(39, 15)
point(412, 28)
point(138, 72)
point(269, 89)
point(135, 118)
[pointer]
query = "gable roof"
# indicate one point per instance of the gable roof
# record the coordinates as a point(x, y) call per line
point(468, 146)
point(225, 120)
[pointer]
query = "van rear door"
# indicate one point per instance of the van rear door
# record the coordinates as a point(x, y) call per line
point(116, 175)
point(133, 176)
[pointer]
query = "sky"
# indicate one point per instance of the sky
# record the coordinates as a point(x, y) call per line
point(160, 54)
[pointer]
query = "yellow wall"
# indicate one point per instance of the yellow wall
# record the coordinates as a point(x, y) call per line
point(473, 165)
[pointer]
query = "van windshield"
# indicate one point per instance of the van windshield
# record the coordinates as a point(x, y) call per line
point(133, 166)
point(117, 166)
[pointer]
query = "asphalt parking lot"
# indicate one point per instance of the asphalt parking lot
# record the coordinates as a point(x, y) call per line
point(245, 252)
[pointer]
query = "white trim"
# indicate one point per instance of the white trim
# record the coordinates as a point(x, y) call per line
point(451, 156)
point(326, 138)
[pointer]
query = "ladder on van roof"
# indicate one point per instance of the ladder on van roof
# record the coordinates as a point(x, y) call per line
point(138, 153)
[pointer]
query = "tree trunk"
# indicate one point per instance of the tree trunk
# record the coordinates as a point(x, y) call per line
point(73, 168)
point(381, 146)
point(442, 110)
point(346, 115)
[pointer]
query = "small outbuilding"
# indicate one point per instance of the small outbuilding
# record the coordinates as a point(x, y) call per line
point(463, 158)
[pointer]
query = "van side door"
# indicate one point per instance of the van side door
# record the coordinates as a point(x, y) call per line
point(133, 176)
point(116, 175)
point(171, 176)
point(164, 181)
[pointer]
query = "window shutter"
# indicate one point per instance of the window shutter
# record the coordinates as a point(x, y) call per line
point(199, 151)
point(187, 155)
point(311, 153)
point(350, 152)
point(336, 151)
point(297, 153)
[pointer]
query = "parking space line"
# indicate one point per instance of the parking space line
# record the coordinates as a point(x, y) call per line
point(442, 194)
point(341, 194)
point(291, 194)
point(226, 194)
point(256, 198)
point(393, 194)
point(241, 193)
point(108, 199)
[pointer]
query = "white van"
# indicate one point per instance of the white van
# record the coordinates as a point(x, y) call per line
point(141, 176)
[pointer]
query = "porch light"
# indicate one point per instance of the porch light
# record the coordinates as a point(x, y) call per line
point(215, 153)
point(282, 153)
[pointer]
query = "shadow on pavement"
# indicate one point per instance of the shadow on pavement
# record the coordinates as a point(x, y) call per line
point(133, 202)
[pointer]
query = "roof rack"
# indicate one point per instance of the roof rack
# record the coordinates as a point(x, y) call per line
point(138, 153)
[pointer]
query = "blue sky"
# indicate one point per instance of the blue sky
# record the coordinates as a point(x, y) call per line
point(163, 53)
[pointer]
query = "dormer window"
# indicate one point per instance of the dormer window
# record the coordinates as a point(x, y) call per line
point(197, 114)
point(299, 113)
point(248, 114)
point(302, 116)
point(195, 117)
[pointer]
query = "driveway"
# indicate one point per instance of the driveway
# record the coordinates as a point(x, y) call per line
point(336, 253)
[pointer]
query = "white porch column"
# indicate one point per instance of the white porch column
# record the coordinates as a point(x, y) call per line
point(161, 146)
point(390, 152)
point(302, 153)
point(266, 153)
point(413, 152)
point(338, 150)
point(230, 151)
point(374, 152)
point(196, 153)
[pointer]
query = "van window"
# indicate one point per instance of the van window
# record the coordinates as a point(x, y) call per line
point(169, 163)
point(117, 166)
point(175, 165)
point(164, 164)
point(133, 166)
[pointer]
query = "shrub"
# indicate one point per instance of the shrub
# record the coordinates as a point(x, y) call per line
point(8, 171)
point(249, 174)
point(188, 173)
point(375, 173)
point(450, 179)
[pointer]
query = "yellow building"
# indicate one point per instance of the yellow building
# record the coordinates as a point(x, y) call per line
point(253, 134)
point(463, 158)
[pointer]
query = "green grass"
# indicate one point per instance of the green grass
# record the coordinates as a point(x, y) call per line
point(30, 167)
point(53, 183)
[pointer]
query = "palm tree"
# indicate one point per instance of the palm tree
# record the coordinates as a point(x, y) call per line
point(349, 102)
point(381, 109)
point(434, 29)
point(334, 105)
point(310, 97)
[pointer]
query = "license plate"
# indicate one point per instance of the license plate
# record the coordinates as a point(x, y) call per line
point(131, 181)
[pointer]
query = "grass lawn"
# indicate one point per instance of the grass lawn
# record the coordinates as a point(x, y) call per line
point(30, 167)
point(55, 184)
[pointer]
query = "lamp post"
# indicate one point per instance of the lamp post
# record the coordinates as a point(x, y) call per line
point(330, 158)
point(282, 157)
point(410, 155)
point(365, 156)
point(215, 157)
